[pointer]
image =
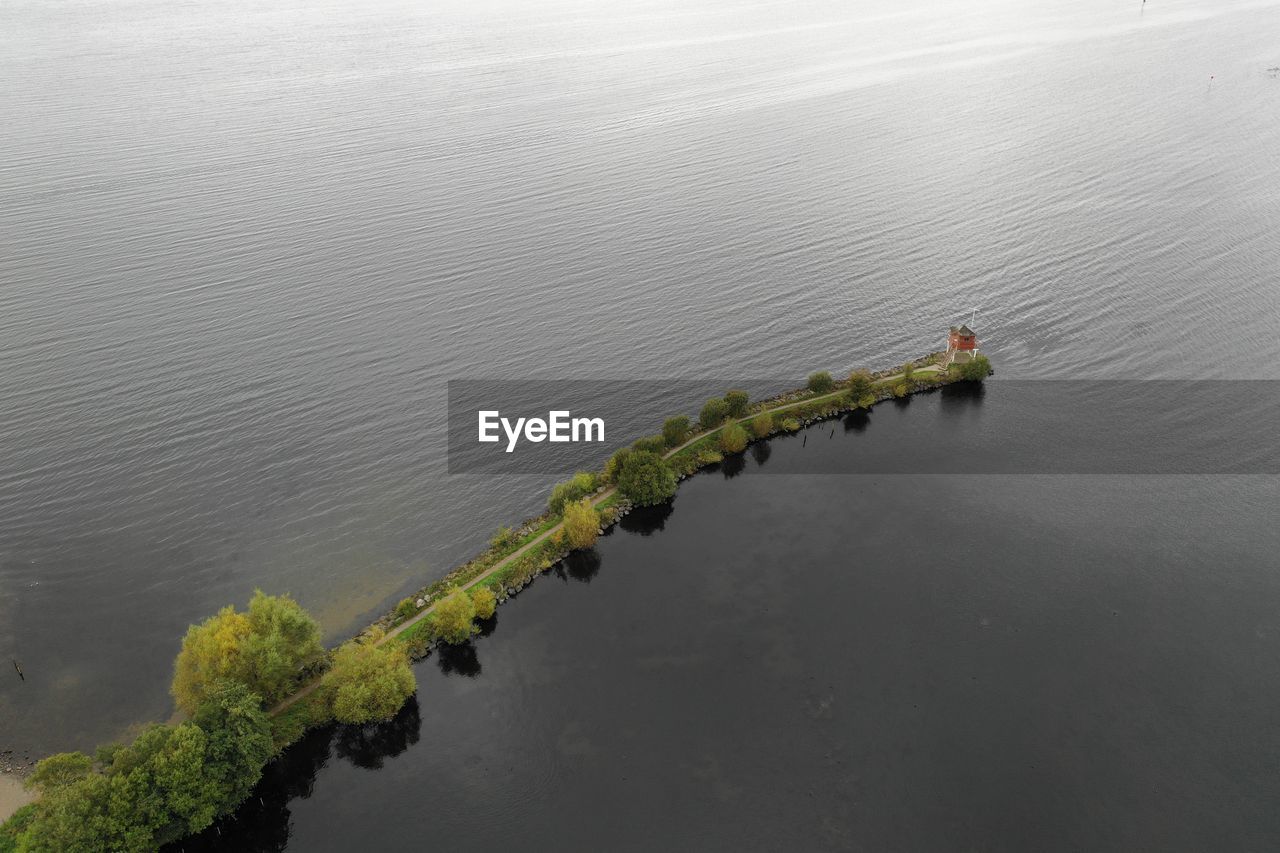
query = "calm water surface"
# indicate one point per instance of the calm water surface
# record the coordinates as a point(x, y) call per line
point(245, 244)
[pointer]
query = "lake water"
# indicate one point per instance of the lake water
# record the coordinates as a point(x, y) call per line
point(246, 244)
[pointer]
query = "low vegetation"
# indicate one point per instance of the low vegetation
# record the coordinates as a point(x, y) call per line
point(733, 438)
point(579, 486)
point(821, 382)
point(713, 413)
point(581, 524)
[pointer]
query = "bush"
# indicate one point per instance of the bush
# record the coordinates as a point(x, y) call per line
point(866, 401)
point(908, 372)
point(265, 649)
point(675, 430)
point(503, 537)
point(737, 401)
point(368, 682)
point(713, 413)
point(406, 608)
point(900, 390)
point(733, 438)
point(454, 617)
point(485, 602)
point(579, 486)
point(821, 382)
point(646, 479)
point(651, 443)
point(860, 384)
point(976, 370)
point(762, 424)
point(613, 467)
point(790, 424)
point(581, 524)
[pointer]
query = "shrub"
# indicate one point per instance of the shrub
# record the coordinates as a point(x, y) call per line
point(733, 438)
point(900, 390)
point(821, 382)
point(646, 479)
point(713, 413)
point(736, 401)
point(860, 384)
point(406, 608)
point(866, 401)
point(675, 430)
point(265, 649)
point(762, 424)
point(368, 682)
point(454, 616)
point(908, 372)
point(651, 443)
point(976, 370)
point(503, 537)
point(485, 601)
point(580, 485)
point(790, 424)
point(581, 524)
point(613, 467)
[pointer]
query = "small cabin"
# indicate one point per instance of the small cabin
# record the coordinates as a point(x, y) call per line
point(962, 346)
point(962, 338)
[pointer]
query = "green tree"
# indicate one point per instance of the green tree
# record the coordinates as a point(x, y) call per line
point(406, 608)
point(737, 402)
point(580, 485)
point(265, 649)
point(613, 467)
point(762, 424)
point(908, 372)
point(646, 479)
point(368, 682)
point(713, 413)
point(674, 430)
point(860, 384)
point(485, 601)
point(238, 743)
point(581, 524)
point(821, 382)
point(733, 438)
point(976, 370)
point(454, 617)
point(58, 771)
point(651, 443)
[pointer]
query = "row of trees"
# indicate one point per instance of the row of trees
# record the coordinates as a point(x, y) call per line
point(173, 780)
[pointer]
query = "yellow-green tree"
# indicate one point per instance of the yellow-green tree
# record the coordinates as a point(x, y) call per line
point(581, 524)
point(454, 617)
point(265, 649)
point(485, 601)
point(762, 424)
point(733, 438)
point(860, 383)
point(368, 682)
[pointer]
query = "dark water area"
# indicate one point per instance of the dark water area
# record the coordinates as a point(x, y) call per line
point(246, 245)
point(845, 662)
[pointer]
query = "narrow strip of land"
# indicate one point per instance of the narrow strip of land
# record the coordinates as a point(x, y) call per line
point(595, 501)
